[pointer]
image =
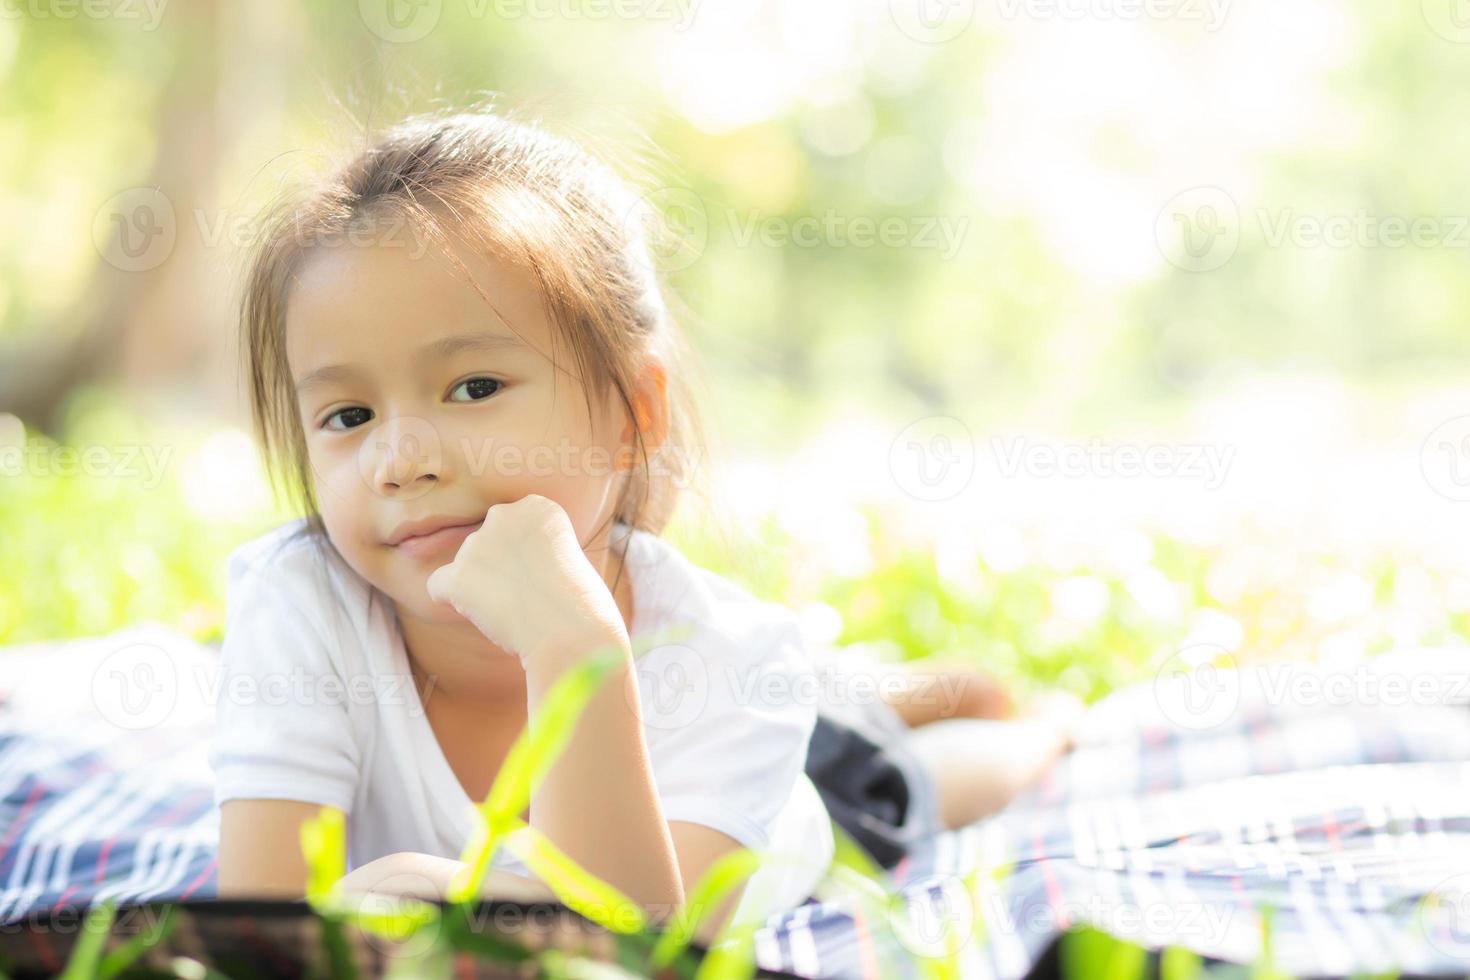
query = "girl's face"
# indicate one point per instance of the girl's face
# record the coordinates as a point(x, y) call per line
point(419, 401)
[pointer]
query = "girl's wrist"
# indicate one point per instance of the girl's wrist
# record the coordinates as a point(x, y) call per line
point(557, 654)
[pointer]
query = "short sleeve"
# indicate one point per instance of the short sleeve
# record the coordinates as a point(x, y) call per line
point(282, 729)
point(728, 728)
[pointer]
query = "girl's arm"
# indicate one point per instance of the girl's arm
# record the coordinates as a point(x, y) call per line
point(260, 848)
point(523, 580)
point(598, 801)
point(428, 876)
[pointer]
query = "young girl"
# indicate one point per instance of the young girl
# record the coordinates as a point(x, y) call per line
point(462, 364)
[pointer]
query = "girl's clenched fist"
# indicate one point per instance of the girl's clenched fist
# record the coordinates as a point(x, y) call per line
point(524, 581)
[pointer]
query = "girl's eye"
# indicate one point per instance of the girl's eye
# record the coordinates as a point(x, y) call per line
point(479, 388)
point(343, 413)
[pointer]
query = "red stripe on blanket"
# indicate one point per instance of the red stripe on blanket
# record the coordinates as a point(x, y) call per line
point(20, 819)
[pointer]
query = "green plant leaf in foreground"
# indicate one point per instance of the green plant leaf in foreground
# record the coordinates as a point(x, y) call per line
point(577, 887)
point(86, 954)
point(717, 882)
point(1092, 953)
point(536, 749)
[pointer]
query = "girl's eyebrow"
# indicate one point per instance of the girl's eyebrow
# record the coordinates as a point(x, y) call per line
point(435, 350)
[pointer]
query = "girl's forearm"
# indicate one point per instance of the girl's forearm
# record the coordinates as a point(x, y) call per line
point(429, 876)
point(598, 801)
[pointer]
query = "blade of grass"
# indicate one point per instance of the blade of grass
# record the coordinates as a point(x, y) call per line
point(324, 845)
point(536, 749)
point(1178, 963)
point(1096, 955)
point(575, 886)
point(718, 880)
point(129, 952)
point(86, 953)
point(1265, 968)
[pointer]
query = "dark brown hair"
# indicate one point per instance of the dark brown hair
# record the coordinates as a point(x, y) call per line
point(516, 190)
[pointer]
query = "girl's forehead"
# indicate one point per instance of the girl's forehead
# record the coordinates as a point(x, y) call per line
point(345, 298)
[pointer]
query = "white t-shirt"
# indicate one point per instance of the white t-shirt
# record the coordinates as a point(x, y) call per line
point(317, 703)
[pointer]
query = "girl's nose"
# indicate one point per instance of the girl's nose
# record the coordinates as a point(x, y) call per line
point(403, 456)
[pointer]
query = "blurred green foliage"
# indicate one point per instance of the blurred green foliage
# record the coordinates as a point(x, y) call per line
point(85, 554)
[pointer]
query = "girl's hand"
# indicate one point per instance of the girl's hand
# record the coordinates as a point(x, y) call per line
point(524, 581)
point(414, 875)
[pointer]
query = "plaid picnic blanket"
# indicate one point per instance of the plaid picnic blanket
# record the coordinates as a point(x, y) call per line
point(1348, 817)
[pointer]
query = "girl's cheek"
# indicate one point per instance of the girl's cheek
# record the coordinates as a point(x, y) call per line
point(337, 474)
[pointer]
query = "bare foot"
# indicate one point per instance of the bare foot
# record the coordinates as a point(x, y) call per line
point(979, 766)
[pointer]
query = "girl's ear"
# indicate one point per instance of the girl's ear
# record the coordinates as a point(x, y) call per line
point(651, 407)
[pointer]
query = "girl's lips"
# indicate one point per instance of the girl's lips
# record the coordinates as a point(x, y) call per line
point(446, 539)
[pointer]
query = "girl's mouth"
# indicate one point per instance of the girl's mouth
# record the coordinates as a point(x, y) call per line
point(446, 539)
